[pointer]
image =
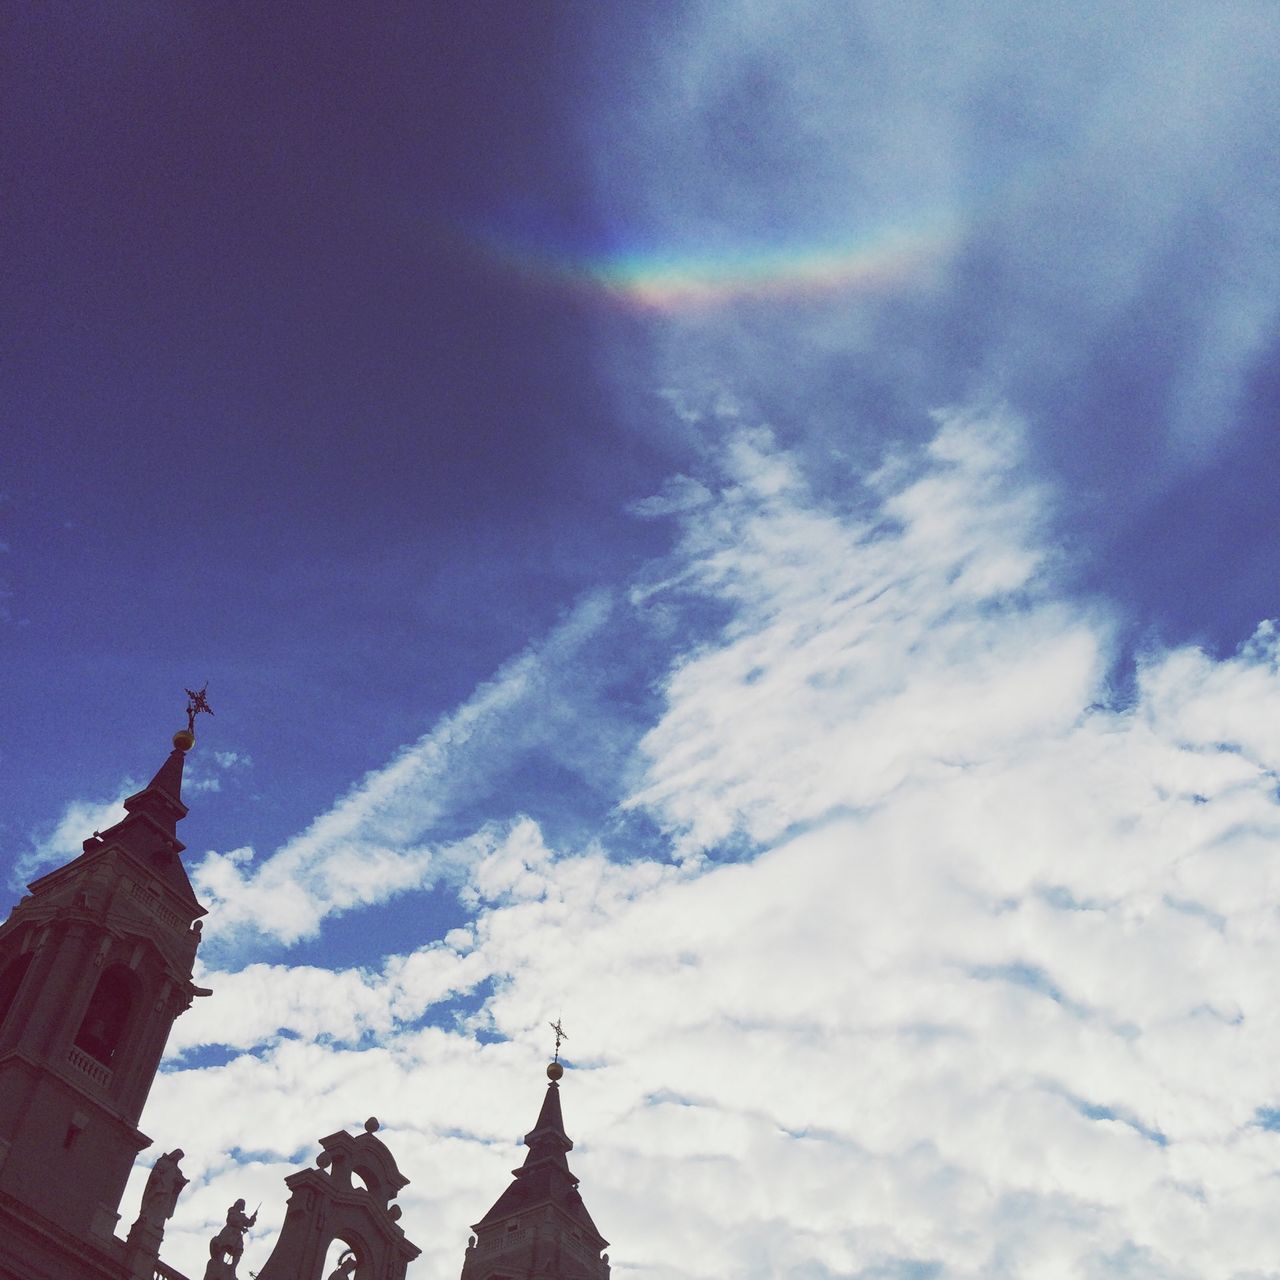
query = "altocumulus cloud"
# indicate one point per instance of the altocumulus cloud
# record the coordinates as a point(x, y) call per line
point(949, 964)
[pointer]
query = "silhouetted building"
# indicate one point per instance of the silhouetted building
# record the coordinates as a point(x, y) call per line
point(95, 965)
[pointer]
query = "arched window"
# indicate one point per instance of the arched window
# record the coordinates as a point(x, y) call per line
point(10, 980)
point(107, 1016)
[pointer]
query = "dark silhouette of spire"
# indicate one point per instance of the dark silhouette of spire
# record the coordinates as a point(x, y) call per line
point(544, 1190)
point(149, 828)
point(161, 798)
point(547, 1139)
point(160, 801)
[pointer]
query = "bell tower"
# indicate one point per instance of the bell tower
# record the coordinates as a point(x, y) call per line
point(539, 1228)
point(95, 965)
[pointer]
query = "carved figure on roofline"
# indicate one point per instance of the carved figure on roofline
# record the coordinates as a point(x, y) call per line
point(164, 1185)
point(226, 1247)
point(159, 1198)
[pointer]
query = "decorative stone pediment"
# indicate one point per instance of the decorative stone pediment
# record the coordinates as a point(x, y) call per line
point(346, 1197)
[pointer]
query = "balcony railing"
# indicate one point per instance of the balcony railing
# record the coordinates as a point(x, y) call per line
point(148, 900)
point(89, 1065)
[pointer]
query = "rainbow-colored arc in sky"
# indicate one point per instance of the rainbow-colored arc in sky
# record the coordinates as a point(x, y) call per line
point(669, 282)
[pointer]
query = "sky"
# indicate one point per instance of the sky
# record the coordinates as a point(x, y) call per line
point(749, 527)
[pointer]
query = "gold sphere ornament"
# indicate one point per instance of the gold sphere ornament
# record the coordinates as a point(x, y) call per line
point(554, 1071)
point(184, 739)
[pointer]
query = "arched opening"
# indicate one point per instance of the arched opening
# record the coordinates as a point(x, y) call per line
point(342, 1262)
point(366, 1178)
point(107, 1016)
point(10, 980)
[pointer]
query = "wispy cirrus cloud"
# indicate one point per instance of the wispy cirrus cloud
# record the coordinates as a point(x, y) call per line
point(384, 837)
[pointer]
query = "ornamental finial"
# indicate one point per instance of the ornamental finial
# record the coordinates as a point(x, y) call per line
point(561, 1034)
point(185, 739)
point(554, 1069)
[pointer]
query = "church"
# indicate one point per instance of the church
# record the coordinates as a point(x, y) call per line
point(95, 964)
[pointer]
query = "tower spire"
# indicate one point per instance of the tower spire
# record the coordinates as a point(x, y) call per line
point(155, 811)
point(539, 1225)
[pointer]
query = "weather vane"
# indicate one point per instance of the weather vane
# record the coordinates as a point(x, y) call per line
point(561, 1034)
point(196, 703)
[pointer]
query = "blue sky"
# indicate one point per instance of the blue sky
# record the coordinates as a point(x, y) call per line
point(751, 526)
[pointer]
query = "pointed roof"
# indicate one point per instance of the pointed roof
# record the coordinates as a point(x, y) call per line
point(149, 828)
point(545, 1176)
point(547, 1139)
point(161, 798)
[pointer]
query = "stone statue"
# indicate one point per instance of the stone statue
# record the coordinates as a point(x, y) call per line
point(164, 1184)
point(159, 1196)
point(346, 1267)
point(226, 1247)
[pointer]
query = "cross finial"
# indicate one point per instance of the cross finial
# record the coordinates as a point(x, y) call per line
point(561, 1034)
point(196, 703)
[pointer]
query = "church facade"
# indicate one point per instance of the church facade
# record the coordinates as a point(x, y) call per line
point(95, 965)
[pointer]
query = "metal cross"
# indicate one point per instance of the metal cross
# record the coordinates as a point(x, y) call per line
point(561, 1034)
point(196, 703)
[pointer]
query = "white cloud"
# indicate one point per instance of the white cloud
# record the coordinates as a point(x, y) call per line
point(79, 820)
point(804, 678)
point(990, 997)
point(679, 494)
